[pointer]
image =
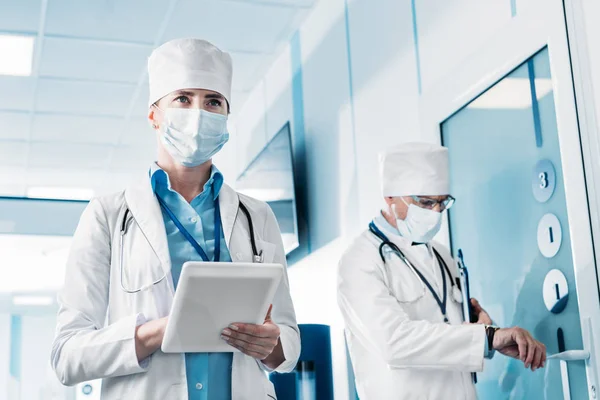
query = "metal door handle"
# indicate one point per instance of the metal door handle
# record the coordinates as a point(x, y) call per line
point(563, 357)
point(578, 355)
point(564, 369)
point(570, 355)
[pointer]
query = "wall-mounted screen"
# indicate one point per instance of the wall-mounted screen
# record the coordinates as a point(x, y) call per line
point(270, 177)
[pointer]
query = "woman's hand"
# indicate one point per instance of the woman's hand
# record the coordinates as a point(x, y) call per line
point(149, 337)
point(258, 341)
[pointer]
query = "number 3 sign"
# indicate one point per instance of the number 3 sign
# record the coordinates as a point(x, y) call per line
point(543, 181)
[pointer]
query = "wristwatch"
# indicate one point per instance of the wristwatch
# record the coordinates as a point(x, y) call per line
point(490, 331)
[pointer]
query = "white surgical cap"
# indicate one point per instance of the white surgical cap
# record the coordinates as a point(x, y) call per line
point(189, 64)
point(414, 169)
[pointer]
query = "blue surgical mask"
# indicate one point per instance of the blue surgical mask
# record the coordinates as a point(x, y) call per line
point(193, 136)
point(420, 225)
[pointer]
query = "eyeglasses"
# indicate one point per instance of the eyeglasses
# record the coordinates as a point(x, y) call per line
point(430, 204)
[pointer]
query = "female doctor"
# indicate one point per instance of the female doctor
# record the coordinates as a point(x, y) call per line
point(129, 248)
point(399, 297)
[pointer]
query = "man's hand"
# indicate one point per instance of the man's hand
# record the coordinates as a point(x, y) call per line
point(481, 315)
point(258, 341)
point(519, 344)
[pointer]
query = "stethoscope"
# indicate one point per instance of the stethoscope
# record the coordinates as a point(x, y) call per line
point(442, 303)
point(126, 222)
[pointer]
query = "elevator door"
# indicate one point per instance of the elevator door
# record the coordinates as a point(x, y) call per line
point(510, 220)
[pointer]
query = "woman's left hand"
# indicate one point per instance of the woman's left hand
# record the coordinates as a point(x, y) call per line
point(257, 341)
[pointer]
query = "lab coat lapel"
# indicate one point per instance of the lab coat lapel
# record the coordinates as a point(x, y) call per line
point(144, 207)
point(427, 265)
point(428, 270)
point(229, 204)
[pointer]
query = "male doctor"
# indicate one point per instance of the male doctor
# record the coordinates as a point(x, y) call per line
point(129, 248)
point(399, 297)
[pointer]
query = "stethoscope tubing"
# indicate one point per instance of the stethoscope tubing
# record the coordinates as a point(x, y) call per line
point(125, 223)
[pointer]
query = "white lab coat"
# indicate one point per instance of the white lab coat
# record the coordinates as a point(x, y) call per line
point(399, 345)
point(97, 319)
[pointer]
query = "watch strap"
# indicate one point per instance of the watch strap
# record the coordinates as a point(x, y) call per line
point(490, 331)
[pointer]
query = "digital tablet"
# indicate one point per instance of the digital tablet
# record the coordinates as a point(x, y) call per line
point(212, 295)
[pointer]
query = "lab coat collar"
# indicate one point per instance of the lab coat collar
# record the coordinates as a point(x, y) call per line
point(144, 206)
point(159, 176)
point(413, 253)
point(229, 204)
point(391, 232)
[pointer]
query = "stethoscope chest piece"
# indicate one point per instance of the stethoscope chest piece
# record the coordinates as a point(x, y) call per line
point(456, 294)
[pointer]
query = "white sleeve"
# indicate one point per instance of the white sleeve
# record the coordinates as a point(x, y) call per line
point(83, 348)
point(283, 314)
point(374, 316)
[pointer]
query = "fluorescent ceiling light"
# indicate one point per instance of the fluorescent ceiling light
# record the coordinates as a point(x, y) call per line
point(63, 193)
point(512, 93)
point(33, 300)
point(267, 194)
point(37, 263)
point(17, 55)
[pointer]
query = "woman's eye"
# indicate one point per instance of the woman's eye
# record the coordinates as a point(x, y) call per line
point(182, 99)
point(215, 103)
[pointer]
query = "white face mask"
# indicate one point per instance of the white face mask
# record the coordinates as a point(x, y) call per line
point(420, 224)
point(193, 136)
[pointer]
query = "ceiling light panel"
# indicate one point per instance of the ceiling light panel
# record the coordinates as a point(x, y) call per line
point(17, 55)
point(89, 60)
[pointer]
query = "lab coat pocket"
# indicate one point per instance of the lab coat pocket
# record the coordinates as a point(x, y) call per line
point(141, 266)
point(140, 269)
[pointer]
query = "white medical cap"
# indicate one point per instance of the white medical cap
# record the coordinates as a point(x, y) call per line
point(414, 169)
point(189, 64)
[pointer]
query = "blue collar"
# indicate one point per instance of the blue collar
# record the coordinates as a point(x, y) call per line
point(390, 231)
point(160, 178)
point(385, 227)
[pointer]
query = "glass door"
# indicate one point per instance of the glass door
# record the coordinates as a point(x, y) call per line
point(512, 224)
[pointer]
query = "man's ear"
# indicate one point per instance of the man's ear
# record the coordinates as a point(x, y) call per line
point(151, 118)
